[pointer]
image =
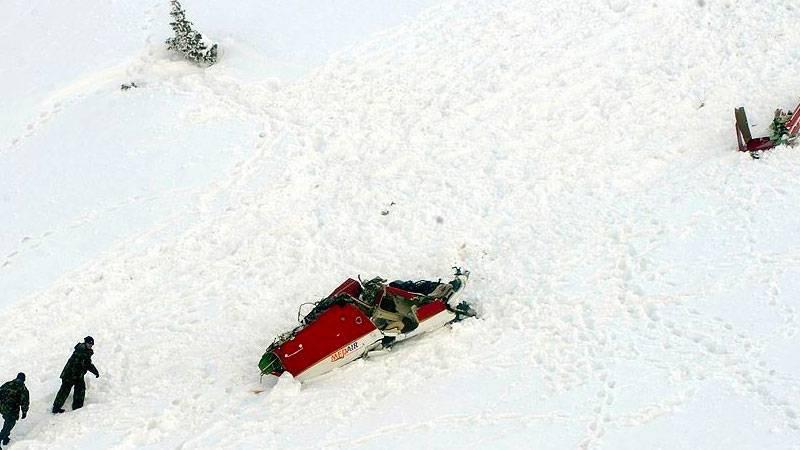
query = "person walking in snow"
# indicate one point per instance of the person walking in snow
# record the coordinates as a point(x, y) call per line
point(14, 397)
point(72, 376)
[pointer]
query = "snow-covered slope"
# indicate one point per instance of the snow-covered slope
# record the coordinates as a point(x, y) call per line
point(637, 278)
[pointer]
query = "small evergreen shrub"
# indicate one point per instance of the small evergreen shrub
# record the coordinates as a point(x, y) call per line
point(188, 42)
point(778, 132)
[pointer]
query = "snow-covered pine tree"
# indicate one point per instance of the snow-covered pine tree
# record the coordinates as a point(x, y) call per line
point(779, 133)
point(187, 41)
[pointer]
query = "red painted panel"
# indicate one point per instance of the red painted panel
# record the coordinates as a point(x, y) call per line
point(793, 125)
point(431, 309)
point(400, 292)
point(350, 287)
point(335, 328)
point(757, 144)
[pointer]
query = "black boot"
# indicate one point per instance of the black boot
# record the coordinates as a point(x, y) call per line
point(57, 410)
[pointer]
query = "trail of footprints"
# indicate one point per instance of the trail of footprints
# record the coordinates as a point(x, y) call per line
point(33, 126)
point(31, 243)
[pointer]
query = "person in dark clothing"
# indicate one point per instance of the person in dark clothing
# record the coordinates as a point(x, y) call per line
point(72, 376)
point(14, 397)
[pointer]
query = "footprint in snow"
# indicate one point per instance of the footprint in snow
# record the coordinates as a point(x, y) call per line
point(618, 5)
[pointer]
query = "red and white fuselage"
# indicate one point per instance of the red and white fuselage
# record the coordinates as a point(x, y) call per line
point(344, 333)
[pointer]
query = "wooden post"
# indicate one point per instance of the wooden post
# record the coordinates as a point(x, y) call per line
point(742, 125)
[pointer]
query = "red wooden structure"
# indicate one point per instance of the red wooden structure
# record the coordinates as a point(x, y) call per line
point(794, 123)
point(747, 143)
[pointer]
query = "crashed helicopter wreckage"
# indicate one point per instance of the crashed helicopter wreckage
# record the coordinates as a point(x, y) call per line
point(363, 316)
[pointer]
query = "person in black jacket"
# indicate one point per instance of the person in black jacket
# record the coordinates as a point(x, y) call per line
point(14, 397)
point(72, 376)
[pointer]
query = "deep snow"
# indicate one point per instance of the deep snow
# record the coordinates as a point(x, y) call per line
point(637, 278)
